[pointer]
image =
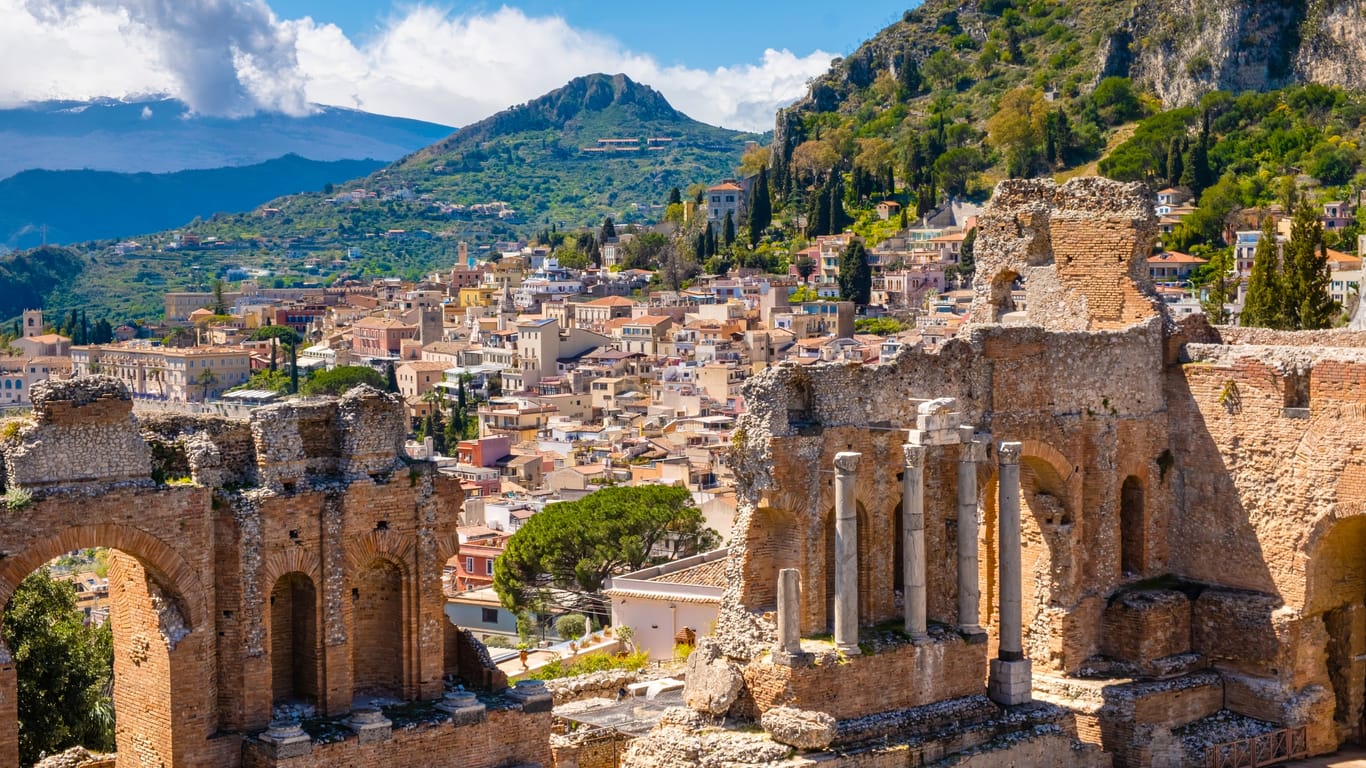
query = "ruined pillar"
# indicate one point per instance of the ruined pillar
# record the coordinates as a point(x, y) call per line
point(913, 539)
point(973, 450)
point(846, 553)
point(1008, 543)
point(1010, 679)
point(789, 648)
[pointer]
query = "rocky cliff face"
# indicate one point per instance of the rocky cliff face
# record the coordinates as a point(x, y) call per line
point(1181, 51)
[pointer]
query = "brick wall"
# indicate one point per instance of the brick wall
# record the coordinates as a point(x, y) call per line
point(947, 668)
point(508, 737)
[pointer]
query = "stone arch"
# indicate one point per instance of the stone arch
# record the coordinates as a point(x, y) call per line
point(166, 565)
point(1335, 592)
point(159, 613)
point(1132, 524)
point(295, 643)
point(1000, 294)
point(1046, 519)
point(772, 542)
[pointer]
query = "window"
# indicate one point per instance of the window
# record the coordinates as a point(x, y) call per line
point(489, 615)
point(488, 567)
point(469, 565)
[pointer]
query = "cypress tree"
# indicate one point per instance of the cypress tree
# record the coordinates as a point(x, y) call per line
point(608, 230)
point(838, 218)
point(675, 197)
point(1262, 305)
point(818, 222)
point(390, 378)
point(760, 209)
point(728, 229)
point(709, 240)
point(1175, 164)
point(856, 277)
point(908, 74)
point(1307, 305)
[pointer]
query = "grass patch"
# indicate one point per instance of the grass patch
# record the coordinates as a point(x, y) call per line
point(584, 665)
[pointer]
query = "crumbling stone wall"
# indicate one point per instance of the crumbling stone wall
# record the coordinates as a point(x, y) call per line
point(309, 494)
point(1080, 248)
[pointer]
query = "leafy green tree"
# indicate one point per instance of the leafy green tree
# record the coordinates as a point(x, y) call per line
point(878, 326)
point(1217, 280)
point(1263, 302)
point(290, 338)
point(1017, 128)
point(571, 626)
point(1116, 101)
point(956, 168)
point(805, 265)
point(65, 670)
point(856, 277)
point(576, 545)
point(1306, 304)
point(342, 378)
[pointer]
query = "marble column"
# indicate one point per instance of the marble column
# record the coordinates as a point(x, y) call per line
point(846, 553)
point(789, 610)
point(969, 593)
point(913, 540)
point(1008, 545)
point(1009, 681)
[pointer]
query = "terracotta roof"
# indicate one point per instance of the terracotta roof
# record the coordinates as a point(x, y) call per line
point(709, 574)
point(611, 301)
point(382, 322)
point(725, 186)
point(1174, 257)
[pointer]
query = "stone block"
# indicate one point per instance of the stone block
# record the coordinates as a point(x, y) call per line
point(1146, 625)
point(370, 726)
point(463, 707)
point(286, 740)
point(1010, 683)
point(800, 728)
point(533, 695)
point(713, 682)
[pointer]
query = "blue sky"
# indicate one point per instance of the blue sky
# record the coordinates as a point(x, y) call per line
point(446, 62)
point(675, 32)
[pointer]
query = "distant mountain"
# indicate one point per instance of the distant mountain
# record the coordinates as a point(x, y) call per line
point(73, 206)
point(162, 135)
point(600, 146)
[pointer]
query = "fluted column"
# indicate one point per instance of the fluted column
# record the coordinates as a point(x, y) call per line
point(969, 593)
point(913, 539)
point(846, 553)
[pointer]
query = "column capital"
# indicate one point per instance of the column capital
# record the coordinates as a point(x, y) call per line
point(915, 455)
point(1008, 452)
point(974, 446)
point(846, 462)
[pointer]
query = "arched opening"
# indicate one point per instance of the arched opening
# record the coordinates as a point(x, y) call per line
point(1131, 544)
point(1003, 287)
point(377, 660)
point(294, 641)
point(163, 694)
point(1335, 590)
point(772, 543)
point(1045, 526)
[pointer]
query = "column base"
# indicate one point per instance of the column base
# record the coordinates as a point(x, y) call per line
point(972, 633)
point(792, 658)
point(849, 649)
point(1010, 683)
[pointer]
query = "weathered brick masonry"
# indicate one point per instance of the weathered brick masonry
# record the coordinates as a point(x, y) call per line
point(1192, 498)
point(296, 557)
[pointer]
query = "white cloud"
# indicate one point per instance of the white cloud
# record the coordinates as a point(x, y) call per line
point(231, 57)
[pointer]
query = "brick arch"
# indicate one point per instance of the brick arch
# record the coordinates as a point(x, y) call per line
point(293, 560)
point(1039, 452)
point(164, 563)
point(381, 545)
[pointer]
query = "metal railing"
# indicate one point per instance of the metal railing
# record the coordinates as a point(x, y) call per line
point(1260, 750)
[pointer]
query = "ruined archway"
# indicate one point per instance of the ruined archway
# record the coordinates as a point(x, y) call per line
point(295, 641)
point(1002, 295)
point(157, 603)
point(1335, 590)
point(378, 654)
point(772, 542)
point(1046, 522)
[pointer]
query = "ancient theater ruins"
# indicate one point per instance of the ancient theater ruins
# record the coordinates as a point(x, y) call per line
point(1078, 534)
point(297, 563)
